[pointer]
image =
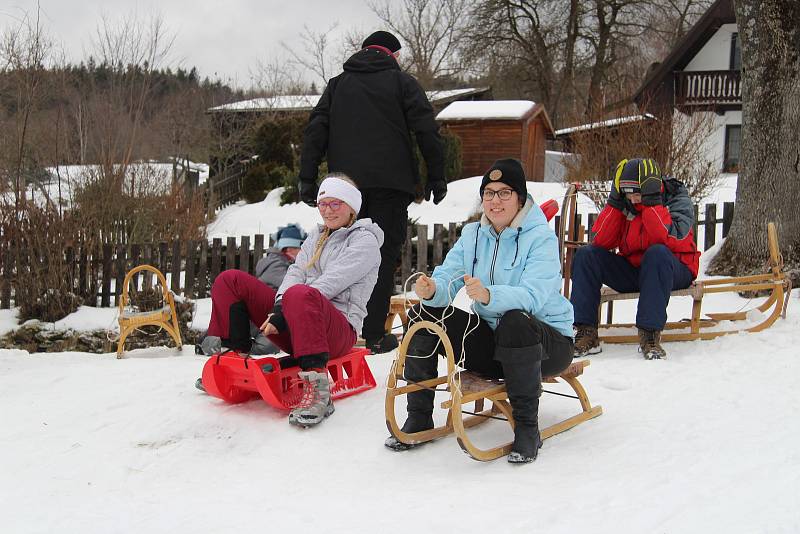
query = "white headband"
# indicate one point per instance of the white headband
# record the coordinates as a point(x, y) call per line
point(338, 188)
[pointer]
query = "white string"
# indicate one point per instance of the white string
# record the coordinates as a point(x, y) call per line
point(449, 311)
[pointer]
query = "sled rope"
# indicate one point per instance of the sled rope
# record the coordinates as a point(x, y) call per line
point(449, 310)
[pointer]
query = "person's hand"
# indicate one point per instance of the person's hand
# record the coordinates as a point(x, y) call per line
point(615, 198)
point(652, 185)
point(425, 287)
point(475, 289)
point(268, 328)
point(437, 188)
point(308, 192)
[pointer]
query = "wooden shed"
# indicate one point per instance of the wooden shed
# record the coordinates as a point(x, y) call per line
point(494, 129)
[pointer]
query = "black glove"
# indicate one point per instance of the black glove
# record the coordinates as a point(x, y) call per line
point(308, 192)
point(277, 319)
point(652, 186)
point(438, 188)
point(615, 198)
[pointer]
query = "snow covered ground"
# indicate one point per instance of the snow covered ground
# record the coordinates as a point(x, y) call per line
point(705, 441)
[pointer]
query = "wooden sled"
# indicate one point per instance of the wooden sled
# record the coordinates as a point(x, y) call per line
point(165, 317)
point(711, 326)
point(466, 387)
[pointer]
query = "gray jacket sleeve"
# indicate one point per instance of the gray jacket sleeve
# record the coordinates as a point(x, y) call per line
point(680, 207)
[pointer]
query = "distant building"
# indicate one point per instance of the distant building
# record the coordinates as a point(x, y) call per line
point(499, 129)
point(303, 104)
point(232, 122)
point(702, 74)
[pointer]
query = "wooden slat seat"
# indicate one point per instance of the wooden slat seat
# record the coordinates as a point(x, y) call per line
point(466, 387)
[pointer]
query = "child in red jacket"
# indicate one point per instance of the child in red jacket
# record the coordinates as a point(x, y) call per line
point(648, 219)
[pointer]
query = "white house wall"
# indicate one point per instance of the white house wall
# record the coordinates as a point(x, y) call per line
point(716, 54)
point(714, 145)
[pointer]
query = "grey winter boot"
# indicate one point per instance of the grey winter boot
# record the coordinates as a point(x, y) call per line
point(210, 345)
point(420, 365)
point(522, 368)
point(316, 403)
point(650, 344)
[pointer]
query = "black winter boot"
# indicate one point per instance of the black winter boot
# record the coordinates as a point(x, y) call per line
point(522, 368)
point(238, 329)
point(417, 368)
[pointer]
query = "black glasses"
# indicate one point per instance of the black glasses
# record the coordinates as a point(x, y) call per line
point(504, 194)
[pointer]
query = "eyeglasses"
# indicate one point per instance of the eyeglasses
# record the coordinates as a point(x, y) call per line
point(334, 205)
point(504, 194)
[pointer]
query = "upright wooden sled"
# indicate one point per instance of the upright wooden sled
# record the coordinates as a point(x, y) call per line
point(465, 387)
point(165, 317)
point(712, 325)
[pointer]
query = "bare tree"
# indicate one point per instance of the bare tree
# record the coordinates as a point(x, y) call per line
point(579, 58)
point(275, 77)
point(769, 166)
point(608, 29)
point(318, 53)
point(537, 39)
point(130, 50)
point(24, 53)
point(668, 21)
point(431, 31)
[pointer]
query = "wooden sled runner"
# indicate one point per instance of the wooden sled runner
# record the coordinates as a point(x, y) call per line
point(236, 378)
point(465, 387)
point(714, 325)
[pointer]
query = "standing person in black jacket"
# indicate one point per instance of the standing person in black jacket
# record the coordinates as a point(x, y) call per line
point(363, 123)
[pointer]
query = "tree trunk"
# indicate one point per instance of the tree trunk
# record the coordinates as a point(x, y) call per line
point(768, 188)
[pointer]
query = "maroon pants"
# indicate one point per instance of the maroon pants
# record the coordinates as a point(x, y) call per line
point(315, 326)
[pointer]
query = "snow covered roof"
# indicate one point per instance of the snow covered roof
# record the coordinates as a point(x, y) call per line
point(307, 102)
point(273, 103)
point(605, 124)
point(486, 110)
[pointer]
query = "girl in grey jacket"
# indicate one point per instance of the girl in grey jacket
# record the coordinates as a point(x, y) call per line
point(317, 311)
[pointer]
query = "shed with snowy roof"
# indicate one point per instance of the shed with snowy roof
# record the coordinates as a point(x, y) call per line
point(494, 129)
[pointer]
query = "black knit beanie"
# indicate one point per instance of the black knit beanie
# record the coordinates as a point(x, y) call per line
point(384, 39)
point(510, 172)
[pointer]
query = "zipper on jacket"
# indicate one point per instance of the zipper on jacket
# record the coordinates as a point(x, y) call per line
point(494, 259)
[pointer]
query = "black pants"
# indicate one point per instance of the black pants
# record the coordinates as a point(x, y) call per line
point(516, 329)
point(388, 209)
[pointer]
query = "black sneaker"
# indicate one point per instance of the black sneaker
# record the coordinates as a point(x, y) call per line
point(385, 344)
point(199, 385)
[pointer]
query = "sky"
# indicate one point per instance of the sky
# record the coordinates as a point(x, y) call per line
point(223, 39)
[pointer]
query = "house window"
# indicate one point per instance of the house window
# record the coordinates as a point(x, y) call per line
point(733, 142)
point(736, 52)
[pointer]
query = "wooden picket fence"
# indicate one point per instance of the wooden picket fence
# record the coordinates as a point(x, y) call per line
point(191, 266)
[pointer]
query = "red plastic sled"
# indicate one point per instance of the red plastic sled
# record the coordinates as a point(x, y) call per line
point(236, 378)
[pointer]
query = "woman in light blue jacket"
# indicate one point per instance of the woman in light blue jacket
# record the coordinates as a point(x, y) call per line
point(510, 267)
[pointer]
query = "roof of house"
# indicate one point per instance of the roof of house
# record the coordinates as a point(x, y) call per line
point(307, 102)
point(494, 110)
point(721, 12)
point(610, 123)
